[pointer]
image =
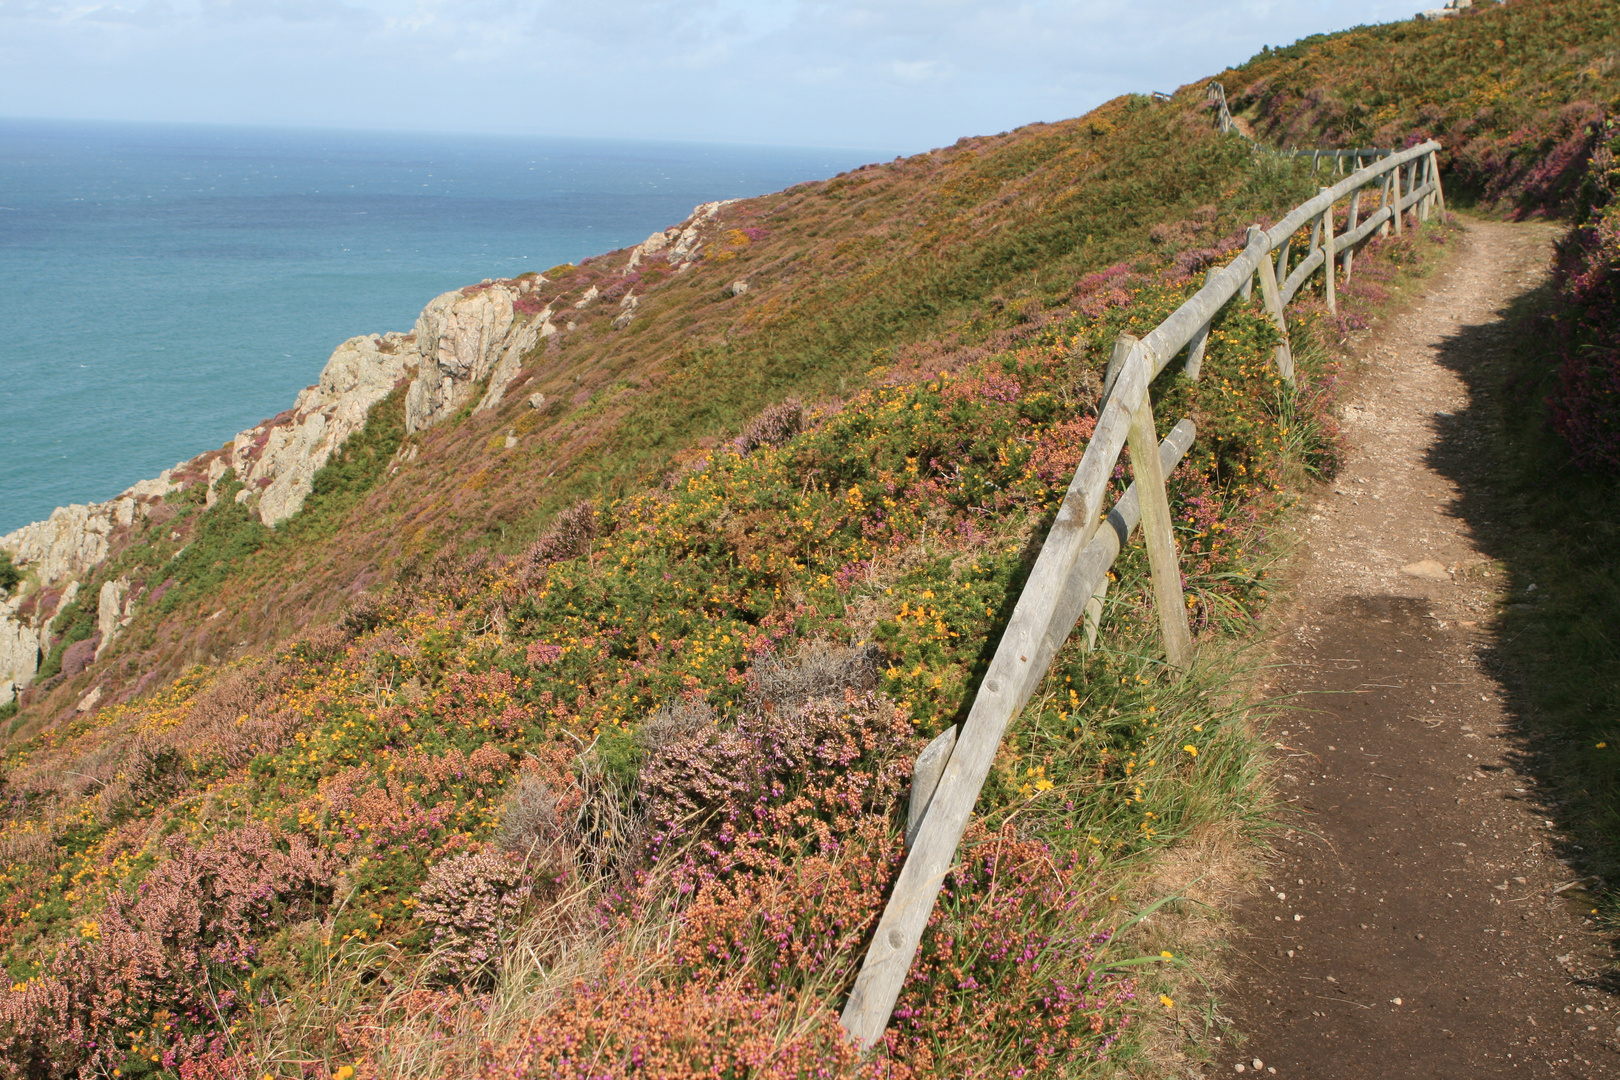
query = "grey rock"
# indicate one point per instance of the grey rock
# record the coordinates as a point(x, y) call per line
point(112, 611)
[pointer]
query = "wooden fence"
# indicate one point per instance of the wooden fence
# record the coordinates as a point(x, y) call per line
point(1067, 581)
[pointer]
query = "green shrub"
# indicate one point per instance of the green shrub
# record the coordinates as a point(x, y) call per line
point(75, 623)
point(226, 534)
point(356, 467)
point(10, 576)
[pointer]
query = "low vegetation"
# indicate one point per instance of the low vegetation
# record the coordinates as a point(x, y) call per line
point(635, 793)
point(575, 741)
point(1516, 92)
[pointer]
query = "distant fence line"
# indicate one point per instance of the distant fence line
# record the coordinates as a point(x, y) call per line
point(1070, 576)
point(1344, 161)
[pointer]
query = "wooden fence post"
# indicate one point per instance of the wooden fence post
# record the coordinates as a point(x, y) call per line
point(1354, 220)
point(1158, 530)
point(1273, 300)
point(1092, 620)
point(925, 776)
point(1328, 268)
point(1395, 206)
point(1116, 364)
point(1439, 192)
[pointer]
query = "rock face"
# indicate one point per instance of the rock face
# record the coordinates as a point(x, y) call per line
point(279, 458)
point(55, 553)
point(19, 653)
point(112, 611)
point(74, 538)
point(463, 339)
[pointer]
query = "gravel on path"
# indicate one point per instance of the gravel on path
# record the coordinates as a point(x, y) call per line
point(1419, 919)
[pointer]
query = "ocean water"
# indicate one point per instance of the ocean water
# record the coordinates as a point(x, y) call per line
point(164, 287)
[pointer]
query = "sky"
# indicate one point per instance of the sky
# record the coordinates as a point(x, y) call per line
point(891, 75)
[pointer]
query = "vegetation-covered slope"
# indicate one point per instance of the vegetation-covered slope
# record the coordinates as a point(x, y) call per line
point(892, 266)
point(1513, 91)
point(615, 787)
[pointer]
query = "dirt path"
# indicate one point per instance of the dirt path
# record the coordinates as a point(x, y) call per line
point(1412, 926)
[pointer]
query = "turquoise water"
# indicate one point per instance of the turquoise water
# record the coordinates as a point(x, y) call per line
point(162, 288)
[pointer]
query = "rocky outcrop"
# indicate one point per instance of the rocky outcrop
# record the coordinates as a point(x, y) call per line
point(54, 554)
point(279, 459)
point(113, 611)
point(19, 653)
point(685, 248)
point(74, 538)
point(463, 339)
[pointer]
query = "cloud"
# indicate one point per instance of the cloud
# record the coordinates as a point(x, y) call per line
point(891, 74)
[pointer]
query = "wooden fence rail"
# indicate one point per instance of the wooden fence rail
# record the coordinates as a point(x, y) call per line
point(1083, 542)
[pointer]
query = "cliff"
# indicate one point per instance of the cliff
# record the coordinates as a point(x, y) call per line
point(466, 348)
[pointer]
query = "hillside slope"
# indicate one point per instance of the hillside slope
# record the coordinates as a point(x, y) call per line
point(904, 266)
point(1515, 92)
point(571, 737)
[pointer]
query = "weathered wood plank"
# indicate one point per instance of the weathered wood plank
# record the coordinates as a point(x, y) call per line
point(1283, 356)
point(1329, 287)
point(1195, 352)
point(925, 779)
point(1092, 620)
point(1158, 529)
point(866, 1013)
point(1395, 180)
point(1297, 279)
point(1347, 245)
point(1439, 191)
point(1040, 622)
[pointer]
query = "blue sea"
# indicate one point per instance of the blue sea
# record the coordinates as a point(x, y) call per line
point(164, 287)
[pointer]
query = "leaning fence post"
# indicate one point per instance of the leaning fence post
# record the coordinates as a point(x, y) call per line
point(1273, 300)
point(1328, 268)
point(1158, 528)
